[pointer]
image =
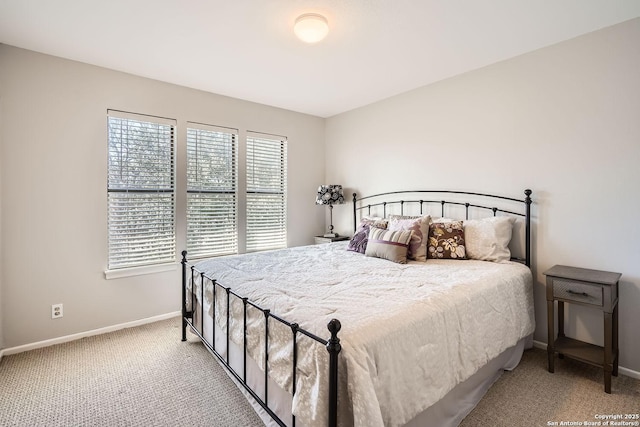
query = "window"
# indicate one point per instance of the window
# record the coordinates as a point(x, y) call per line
point(266, 192)
point(140, 190)
point(143, 207)
point(211, 190)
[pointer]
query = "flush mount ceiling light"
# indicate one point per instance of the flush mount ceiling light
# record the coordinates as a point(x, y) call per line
point(311, 27)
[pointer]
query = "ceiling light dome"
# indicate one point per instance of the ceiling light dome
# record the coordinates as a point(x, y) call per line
point(311, 27)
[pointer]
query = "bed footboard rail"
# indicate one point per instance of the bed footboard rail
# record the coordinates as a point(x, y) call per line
point(188, 321)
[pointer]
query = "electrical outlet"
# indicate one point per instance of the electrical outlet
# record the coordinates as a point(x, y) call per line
point(56, 311)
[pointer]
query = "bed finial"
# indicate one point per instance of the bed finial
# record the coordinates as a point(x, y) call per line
point(334, 327)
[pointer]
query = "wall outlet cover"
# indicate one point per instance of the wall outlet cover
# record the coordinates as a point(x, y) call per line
point(56, 311)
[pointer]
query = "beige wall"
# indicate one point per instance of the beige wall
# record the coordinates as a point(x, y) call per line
point(53, 186)
point(1, 257)
point(562, 121)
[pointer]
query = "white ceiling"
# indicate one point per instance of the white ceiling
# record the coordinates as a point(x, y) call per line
point(246, 48)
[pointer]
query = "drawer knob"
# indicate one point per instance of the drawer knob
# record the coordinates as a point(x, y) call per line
point(584, 294)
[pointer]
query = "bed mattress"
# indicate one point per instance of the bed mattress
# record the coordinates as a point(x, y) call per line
point(410, 332)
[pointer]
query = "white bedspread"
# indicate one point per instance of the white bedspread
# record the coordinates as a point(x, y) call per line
point(409, 334)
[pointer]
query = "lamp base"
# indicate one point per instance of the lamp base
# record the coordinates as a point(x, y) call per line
point(330, 235)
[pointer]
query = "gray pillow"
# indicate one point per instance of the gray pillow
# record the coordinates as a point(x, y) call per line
point(390, 245)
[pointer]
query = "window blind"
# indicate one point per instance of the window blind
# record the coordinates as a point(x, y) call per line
point(211, 190)
point(266, 192)
point(140, 190)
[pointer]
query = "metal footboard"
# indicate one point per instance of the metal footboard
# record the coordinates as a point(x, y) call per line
point(332, 344)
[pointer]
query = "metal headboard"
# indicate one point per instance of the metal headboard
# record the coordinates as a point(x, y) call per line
point(358, 205)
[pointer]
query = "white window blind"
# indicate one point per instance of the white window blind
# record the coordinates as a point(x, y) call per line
point(266, 192)
point(140, 190)
point(211, 190)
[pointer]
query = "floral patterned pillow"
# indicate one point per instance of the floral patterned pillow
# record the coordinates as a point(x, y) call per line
point(446, 241)
point(358, 242)
point(375, 221)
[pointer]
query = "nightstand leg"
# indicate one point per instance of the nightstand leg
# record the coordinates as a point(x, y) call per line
point(560, 324)
point(615, 341)
point(608, 344)
point(550, 334)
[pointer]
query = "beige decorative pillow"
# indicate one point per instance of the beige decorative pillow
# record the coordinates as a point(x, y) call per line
point(391, 245)
point(441, 219)
point(488, 239)
point(446, 240)
point(420, 227)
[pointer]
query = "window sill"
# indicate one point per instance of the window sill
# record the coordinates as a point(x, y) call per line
point(139, 271)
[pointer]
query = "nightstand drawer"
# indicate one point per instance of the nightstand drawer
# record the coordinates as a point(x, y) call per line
point(585, 293)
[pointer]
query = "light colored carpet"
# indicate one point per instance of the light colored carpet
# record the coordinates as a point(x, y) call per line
point(142, 376)
point(145, 376)
point(530, 396)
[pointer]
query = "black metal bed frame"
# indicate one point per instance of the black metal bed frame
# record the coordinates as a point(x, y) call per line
point(422, 202)
point(332, 344)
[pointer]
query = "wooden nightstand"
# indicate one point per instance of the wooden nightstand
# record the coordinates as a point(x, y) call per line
point(591, 288)
point(322, 239)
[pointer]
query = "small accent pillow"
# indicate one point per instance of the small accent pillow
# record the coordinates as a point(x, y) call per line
point(358, 242)
point(446, 240)
point(488, 239)
point(376, 221)
point(391, 245)
point(420, 227)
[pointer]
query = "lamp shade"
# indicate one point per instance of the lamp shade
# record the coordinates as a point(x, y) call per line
point(330, 195)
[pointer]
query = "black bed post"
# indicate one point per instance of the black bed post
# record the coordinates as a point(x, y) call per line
point(527, 201)
point(355, 217)
point(184, 295)
point(333, 347)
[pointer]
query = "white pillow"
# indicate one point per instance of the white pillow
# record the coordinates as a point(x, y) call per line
point(488, 239)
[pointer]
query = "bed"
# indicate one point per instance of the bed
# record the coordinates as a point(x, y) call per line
point(350, 333)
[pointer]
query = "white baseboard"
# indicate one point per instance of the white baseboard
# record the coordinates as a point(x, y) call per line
point(624, 371)
point(73, 337)
point(539, 344)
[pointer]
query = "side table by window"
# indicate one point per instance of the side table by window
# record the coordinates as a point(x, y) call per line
point(591, 288)
point(322, 239)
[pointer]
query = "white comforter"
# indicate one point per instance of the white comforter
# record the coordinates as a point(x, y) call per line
point(409, 334)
